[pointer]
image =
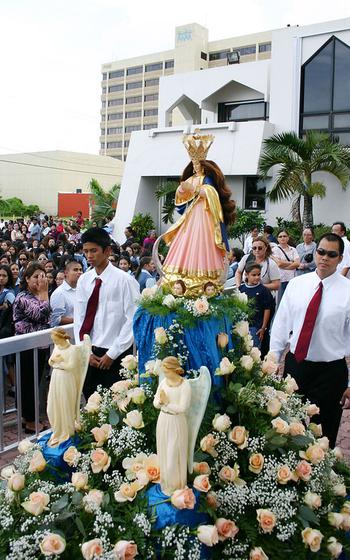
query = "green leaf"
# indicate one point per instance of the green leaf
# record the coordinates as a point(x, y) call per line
point(307, 514)
point(76, 498)
point(113, 417)
point(80, 526)
point(300, 441)
point(60, 504)
point(278, 441)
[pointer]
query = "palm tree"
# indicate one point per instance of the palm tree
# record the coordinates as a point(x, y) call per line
point(298, 159)
point(104, 202)
point(167, 191)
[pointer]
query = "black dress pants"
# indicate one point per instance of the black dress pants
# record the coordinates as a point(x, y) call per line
point(322, 383)
point(27, 380)
point(104, 377)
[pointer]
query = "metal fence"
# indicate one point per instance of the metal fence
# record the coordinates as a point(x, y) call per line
point(11, 416)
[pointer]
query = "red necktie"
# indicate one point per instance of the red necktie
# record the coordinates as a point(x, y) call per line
point(305, 335)
point(91, 309)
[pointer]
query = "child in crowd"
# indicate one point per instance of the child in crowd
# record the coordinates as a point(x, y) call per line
point(263, 301)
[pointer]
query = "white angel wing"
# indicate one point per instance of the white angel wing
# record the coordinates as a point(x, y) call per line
point(200, 391)
point(85, 353)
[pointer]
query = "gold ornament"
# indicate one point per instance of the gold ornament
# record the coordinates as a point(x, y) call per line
point(197, 145)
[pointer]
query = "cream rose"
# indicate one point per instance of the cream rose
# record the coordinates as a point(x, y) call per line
point(345, 508)
point(100, 460)
point(169, 301)
point(147, 293)
point(296, 429)
point(273, 407)
point(91, 549)
point(17, 482)
point(247, 362)
point(134, 419)
point(324, 443)
point(241, 296)
point(239, 436)
point(339, 489)
point(280, 425)
point(137, 395)
point(36, 503)
point(129, 362)
point(93, 500)
point(80, 480)
point(101, 434)
point(284, 474)
point(229, 474)
point(222, 340)
point(221, 422)
point(241, 328)
point(313, 500)
point(183, 498)
point(316, 429)
point(52, 545)
point(312, 538)
point(208, 444)
point(256, 354)
point(37, 462)
point(24, 446)
point(127, 492)
point(208, 534)
point(94, 402)
point(314, 454)
point(160, 335)
point(337, 452)
point(201, 468)
point(248, 343)
point(266, 519)
point(268, 367)
point(335, 519)
point(225, 367)
point(201, 483)
point(212, 500)
point(71, 456)
point(227, 529)
point(303, 470)
point(201, 305)
point(346, 521)
point(257, 553)
point(125, 550)
point(334, 547)
point(291, 384)
point(7, 472)
point(312, 410)
point(256, 463)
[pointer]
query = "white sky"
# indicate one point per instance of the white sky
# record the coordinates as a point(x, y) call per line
point(52, 52)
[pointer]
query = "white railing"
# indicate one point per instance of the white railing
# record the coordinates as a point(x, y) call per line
point(13, 346)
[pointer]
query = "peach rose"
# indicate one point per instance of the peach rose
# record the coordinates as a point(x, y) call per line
point(127, 492)
point(37, 462)
point(256, 463)
point(183, 498)
point(266, 519)
point(208, 534)
point(316, 429)
point(345, 508)
point(121, 387)
point(52, 545)
point(241, 328)
point(71, 456)
point(93, 500)
point(256, 354)
point(160, 335)
point(24, 446)
point(312, 538)
point(313, 500)
point(268, 366)
point(246, 362)
point(17, 482)
point(129, 362)
point(284, 474)
point(229, 474)
point(291, 384)
point(257, 553)
point(337, 452)
point(152, 468)
point(334, 547)
point(134, 419)
point(36, 503)
point(80, 480)
point(201, 305)
point(133, 465)
point(222, 340)
point(324, 443)
point(225, 367)
point(312, 410)
point(239, 436)
point(296, 429)
point(91, 549)
point(227, 529)
point(208, 444)
point(273, 406)
point(201, 468)
point(335, 519)
point(303, 470)
point(346, 521)
point(101, 434)
point(94, 402)
point(201, 483)
point(221, 422)
point(314, 454)
point(100, 460)
point(281, 426)
point(212, 500)
point(125, 550)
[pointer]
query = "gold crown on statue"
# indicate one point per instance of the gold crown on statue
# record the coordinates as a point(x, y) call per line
point(197, 145)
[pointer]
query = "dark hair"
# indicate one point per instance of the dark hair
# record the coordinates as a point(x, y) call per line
point(333, 238)
point(238, 253)
point(212, 170)
point(341, 224)
point(10, 282)
point(72, 262)
point(130, 230)
point(29, 271)
point(143, 262)
point(268, 230)
point(251, 265)
point(96, 235)
point(125, 258)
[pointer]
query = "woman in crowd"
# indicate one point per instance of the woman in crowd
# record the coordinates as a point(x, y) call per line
point(306, 252)
point(125, 264)
point(287, 259)
point(145, 273)
point(148, 242)
point(51, 281)
point(31, 313)
point(15, 275)
point(261, 253)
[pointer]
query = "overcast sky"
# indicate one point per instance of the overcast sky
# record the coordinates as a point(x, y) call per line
point(52, 51)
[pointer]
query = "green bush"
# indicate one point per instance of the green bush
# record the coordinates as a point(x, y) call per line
point(141, 224)
point(245, 220)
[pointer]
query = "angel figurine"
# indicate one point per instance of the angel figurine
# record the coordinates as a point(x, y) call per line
point(182, 403)
point(69, 365)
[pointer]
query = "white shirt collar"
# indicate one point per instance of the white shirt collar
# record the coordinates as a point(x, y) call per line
point(105, 274)
point(67, 287)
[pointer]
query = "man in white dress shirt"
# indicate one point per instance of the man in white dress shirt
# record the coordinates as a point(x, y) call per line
point(340, 229)
point(63, 299)
point(322, 376)
point(105, 307)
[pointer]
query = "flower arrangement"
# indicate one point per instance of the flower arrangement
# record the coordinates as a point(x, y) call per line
point(266, 477)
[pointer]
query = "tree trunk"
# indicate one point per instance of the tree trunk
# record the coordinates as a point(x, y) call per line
point(308, 218)
point(295, 211)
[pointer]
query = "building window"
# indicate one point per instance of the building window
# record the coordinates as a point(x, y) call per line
point(218, 55)
point(103, 103)
point(151, 97)
point(116, 74)
point(154, 67)
point(255, 193)
point(114, 144)
point(115, 130)
point(119, 87)
point(103, 145)
point(112, 102)
point(132, 128)
point(264, 47)
point(133, 114)
point(126, 143)
point(247, 50)
point(204, 55)
point(244, 111)
point(135, 99)
point(134, 70)
point(115, 116)
point(134, 85)
point(149, 126)
point(103, 130)
point(104, 76)
point(153, 82)
point(104, 89)
point(325, 91)
point(124, 157)
point(150, 112)
point(169, 64)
